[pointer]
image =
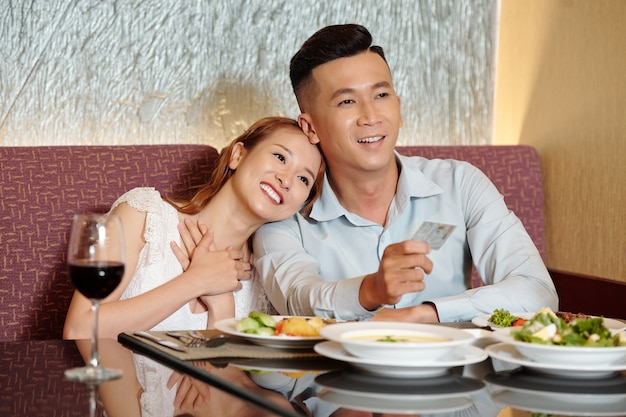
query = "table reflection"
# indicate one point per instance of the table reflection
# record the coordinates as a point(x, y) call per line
point(31, 378)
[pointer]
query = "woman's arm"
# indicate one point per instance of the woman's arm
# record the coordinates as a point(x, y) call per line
point(210, 272)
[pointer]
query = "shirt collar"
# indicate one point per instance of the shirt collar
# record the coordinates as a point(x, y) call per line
point(412, 183)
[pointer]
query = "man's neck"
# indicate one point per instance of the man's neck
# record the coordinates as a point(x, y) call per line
point(368, 196)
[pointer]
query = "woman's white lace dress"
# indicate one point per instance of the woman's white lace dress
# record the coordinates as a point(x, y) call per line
point(156, 265)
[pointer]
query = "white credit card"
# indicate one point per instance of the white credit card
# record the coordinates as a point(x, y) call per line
point(435, 234)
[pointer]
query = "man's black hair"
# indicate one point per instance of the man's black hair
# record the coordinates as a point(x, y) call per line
point(325, 45)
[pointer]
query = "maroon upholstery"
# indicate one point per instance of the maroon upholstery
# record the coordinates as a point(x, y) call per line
point(42, 187)
point(516, 172)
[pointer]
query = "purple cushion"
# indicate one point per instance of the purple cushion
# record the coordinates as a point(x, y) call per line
point(40, 189)
point(516, 172)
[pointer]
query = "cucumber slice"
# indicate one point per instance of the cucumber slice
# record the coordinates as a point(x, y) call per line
point(246, 324)
point(264, 319)
point(265, 331)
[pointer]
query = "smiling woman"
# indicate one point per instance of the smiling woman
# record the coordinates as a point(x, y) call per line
point(205, 276)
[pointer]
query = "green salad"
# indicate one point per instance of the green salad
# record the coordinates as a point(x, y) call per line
point(547, 328)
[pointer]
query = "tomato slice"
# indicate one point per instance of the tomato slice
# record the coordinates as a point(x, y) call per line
point(520, 321)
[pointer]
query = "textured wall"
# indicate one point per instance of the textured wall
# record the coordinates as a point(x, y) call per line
point(172, 71)
point(561, 88)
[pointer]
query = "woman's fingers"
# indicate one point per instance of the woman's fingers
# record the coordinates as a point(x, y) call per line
point(181, 255)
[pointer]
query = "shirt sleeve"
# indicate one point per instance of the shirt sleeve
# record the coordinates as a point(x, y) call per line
point(292, 278)
point(505, 256)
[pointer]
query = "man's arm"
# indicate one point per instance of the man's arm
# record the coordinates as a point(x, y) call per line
point(292, 280)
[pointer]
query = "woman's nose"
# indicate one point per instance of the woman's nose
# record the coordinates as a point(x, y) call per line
point(283, 179)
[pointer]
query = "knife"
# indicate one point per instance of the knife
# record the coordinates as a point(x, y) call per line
point(161, 341)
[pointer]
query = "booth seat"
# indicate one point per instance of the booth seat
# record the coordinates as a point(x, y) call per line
point(42, 187)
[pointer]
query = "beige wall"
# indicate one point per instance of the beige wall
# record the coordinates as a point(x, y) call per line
point(561, 87)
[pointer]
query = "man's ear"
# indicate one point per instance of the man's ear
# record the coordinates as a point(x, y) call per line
point(304, 120)
point(236, 155)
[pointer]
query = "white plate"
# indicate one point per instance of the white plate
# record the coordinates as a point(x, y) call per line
point(509, 354)
point(599, 390)
point(386, 365)
point(360, 339)
point(481, 321)
point(229, 326)
point(387, 405)
point(566, 355)
point(554, 405)
point(352, 382)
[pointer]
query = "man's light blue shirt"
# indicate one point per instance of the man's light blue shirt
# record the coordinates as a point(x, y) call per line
point(315, 266)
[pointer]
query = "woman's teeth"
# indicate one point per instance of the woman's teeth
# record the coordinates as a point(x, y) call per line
point(270, 191)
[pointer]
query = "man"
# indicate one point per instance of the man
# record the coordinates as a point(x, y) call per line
point(352, 256)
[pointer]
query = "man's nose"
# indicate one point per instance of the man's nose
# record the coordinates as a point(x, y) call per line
point(368, 113)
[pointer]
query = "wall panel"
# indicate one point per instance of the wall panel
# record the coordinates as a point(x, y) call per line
point(168, 71)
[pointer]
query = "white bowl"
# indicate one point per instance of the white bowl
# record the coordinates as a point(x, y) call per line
point(569, 355)
point(415, 342)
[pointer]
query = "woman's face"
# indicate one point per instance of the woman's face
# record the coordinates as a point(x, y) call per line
point(275, 177)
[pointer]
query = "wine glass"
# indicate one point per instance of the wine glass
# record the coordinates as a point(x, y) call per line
point(95, 258)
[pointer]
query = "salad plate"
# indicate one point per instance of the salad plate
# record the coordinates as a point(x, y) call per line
point(566, 355)
point(229, 326)
point(483, 321)
point(350, 382)
point(387, 365)
point(508, 353)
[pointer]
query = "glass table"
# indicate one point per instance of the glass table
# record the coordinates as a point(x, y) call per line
point(32, 384)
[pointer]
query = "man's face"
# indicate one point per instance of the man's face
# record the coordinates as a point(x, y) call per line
point(354, 113)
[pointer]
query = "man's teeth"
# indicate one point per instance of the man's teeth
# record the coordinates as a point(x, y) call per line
point(370, 140)
point(270, 191)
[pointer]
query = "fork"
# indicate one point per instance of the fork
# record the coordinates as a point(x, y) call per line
point(210, 342)
point(194, 339)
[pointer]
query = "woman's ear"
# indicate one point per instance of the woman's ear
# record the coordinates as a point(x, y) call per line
point(304, 120)
point(236, 155)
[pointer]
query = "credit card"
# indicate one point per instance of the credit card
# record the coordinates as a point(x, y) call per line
point(435, 234)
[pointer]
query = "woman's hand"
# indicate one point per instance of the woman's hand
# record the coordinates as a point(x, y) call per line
point(219, 270)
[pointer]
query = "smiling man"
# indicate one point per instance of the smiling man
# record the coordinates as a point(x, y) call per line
point(355, 256)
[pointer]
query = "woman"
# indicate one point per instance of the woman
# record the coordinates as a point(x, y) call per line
point(266, 174)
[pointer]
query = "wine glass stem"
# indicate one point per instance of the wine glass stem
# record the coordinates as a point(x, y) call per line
point(94, 361)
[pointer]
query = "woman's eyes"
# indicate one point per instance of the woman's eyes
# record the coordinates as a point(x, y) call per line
point(281, 158)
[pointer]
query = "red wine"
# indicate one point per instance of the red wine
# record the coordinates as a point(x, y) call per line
point(96, 280)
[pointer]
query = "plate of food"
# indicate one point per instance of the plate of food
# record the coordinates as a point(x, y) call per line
point(548, 338)
point(284, 332)
point(503, 319)
point(398, 341)
point(508, 354)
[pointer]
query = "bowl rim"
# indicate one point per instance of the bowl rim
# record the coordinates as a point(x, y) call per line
point(453, 336)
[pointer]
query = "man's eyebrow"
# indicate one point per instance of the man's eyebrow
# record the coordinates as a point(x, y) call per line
point(348, 90)
point(291, 154)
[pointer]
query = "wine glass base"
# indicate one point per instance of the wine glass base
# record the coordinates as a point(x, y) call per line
point(92, 375)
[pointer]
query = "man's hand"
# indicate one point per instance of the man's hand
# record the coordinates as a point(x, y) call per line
point(401, 271)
